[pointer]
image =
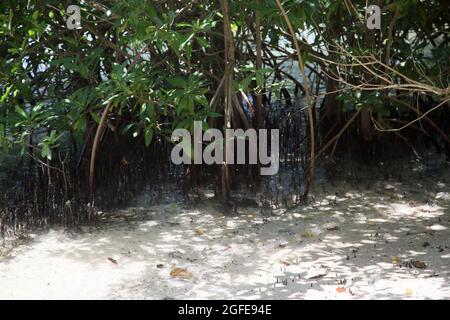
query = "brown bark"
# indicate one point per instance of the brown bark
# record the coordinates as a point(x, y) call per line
point(331, 111)
point(228, 92)
point(259, 100)
point(367, 129)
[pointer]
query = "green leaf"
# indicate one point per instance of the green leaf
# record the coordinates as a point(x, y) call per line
point(35, 15)
point(46, 152)
point(7, 92)
point(148, 136)
point(215, 115)
point(201, 99)
point(21, 112)
point(178, 82)
point(260, 80)
point(203, 43)
point(96, 117)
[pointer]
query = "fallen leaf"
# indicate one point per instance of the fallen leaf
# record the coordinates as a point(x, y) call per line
point(340, 289)
point(181, 273)
point(426, 244)
point(113, 260)
point(418, 264)
point(199, 232)
point(395, 260)
point(308, 234)
point(409, 292)
point(160, 266)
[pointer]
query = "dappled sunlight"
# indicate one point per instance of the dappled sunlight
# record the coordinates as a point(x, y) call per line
point(347, 246)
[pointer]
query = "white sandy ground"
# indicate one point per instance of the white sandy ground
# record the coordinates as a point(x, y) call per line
point(353, 241)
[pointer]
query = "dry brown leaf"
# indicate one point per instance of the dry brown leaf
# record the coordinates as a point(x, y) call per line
point(124, 162)
point(418, 264)
point(199, 232)
point(181, 273)
point(340, 289)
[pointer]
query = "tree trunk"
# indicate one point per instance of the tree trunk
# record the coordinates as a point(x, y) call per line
point(228, 92)
point(259, 64)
